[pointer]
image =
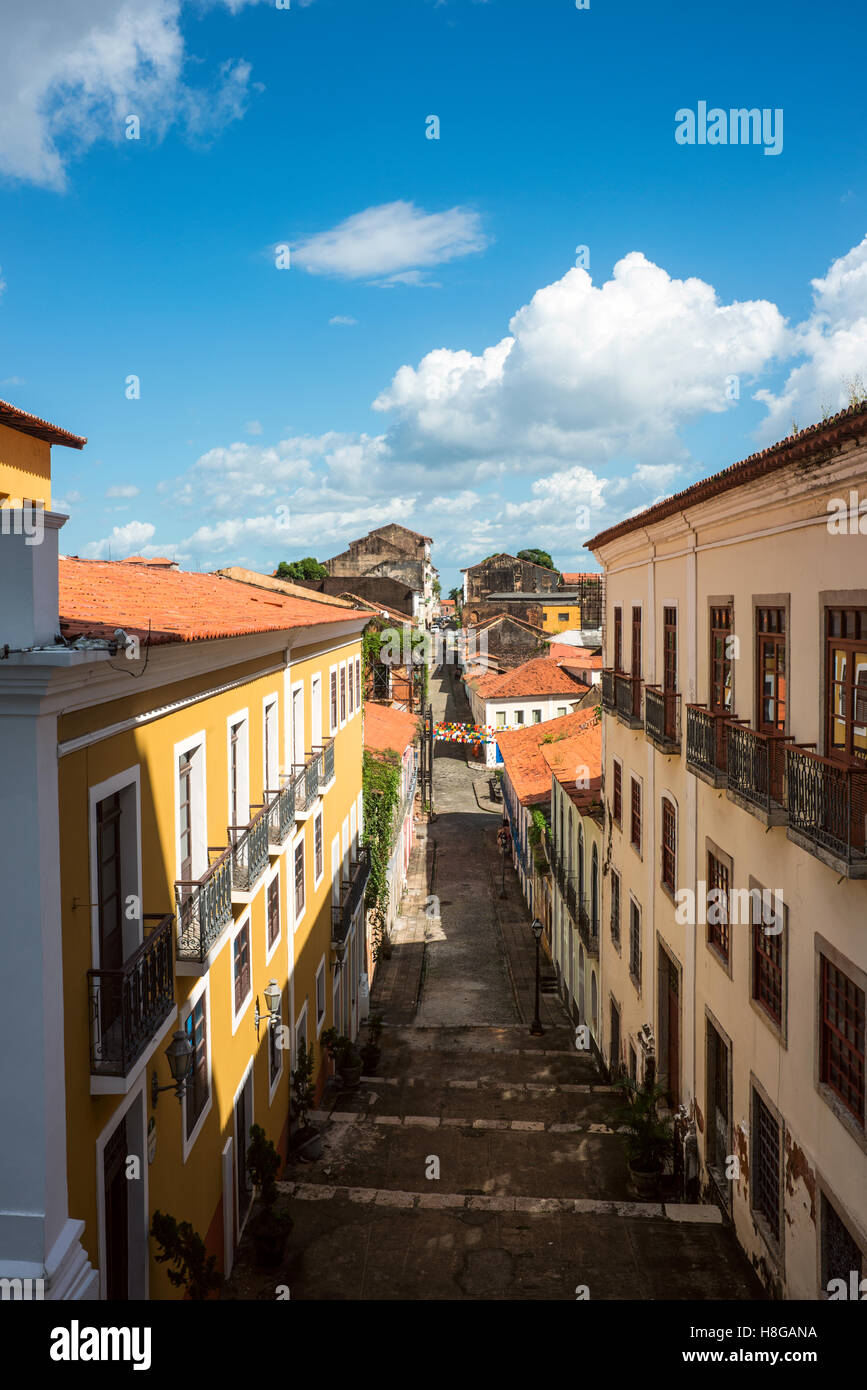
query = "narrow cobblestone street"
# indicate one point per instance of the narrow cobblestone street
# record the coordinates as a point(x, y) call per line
point(481, 1162)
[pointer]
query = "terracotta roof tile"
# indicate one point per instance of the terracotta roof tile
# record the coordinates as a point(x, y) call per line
point(576, 758)
point(97, 596)
point(540, 676)
point(386, 728)
point(847, 424)
point(17, 419)
point(523, 752)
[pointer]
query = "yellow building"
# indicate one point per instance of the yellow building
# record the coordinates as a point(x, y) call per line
point(560, 614)
point(183, 770)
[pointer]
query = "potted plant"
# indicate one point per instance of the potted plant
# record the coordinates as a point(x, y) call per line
point(649, 1140)
point(268, 1228)
point(306, 1139)
point(371, 1051)
point(345, 1056)
point(182, 1247)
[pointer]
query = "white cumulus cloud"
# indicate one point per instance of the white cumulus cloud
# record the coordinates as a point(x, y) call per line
point(123, 541)
point(394, 240)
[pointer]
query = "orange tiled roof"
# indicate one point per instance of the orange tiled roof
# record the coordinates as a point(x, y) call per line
point(386, 728)
point(522, 750)
point(564, 653)
point(20, 420)
point(539, 676)
point(579, 754)
point(281, 586)
point(156, 560)
point(573, 577)
point(97, 596)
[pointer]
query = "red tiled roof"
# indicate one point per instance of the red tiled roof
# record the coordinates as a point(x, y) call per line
point(281, 586)
point(527, 767)
point(387, 729)
point(567, 655)
point(575, 758)
point(31, 424)
point(156, 560)
point(377, 608)
point(539, 676)
point(795, 448)
point(573, 577)
point(97, 596)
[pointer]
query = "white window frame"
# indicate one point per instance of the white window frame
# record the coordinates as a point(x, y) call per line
point(358, 690)
point(341, 716)
point(275, 873)
point(243, 921)
point(203, 986)
point(302, 1018)
point(298, 917)
point(268, 701)
point(129, 778)
point(318, 819)
point(274, 1085)
point(320, 976)
point(334, 724)
point(242, 717)
point(292, 757)
point(316, 734)
point(196, 743)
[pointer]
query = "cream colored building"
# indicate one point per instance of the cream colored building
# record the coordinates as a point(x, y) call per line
point(735, 759)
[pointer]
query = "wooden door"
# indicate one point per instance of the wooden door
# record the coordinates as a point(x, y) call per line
point(116, 1215)
point(673, 1061)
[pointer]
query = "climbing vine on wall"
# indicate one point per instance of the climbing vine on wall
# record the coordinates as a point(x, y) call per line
point(380, 781)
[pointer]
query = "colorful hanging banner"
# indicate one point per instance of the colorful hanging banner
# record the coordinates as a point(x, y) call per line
point(452, 732)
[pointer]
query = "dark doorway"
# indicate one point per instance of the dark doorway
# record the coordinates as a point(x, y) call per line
point(116, 1215)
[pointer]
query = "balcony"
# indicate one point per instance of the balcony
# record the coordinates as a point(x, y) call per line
point(281, 815)
point(827, 808)
point(662, 718)
point(326, 771)
point(351, 895)
point(204, 910)
point(249, 848)
point(129, 1006)
point(706, 732)
point(627, 699)
point(755, 767)
point(608, 690)
point(309, 779)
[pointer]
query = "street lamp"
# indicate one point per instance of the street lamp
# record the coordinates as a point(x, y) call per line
point(504, 840)
point(273, 998)
point(180, 1055)
point(536, 1029)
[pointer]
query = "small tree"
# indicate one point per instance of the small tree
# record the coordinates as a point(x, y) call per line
point(303, 1090)
point(538, 557)
point(308, 568)
point(269, 1228)
point(182, 1247)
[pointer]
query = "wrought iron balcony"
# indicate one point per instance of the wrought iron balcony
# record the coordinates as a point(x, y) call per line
point(328, 763)
point(352, 891)
point(827, 806)
point(281, 812)
point(204, 908)
point(706, 737)
point(608, 688)
point(627, 699)
point(755, 767)
point(249, 846)
point(662, 718)
point(588, 930)
point(128, 1006)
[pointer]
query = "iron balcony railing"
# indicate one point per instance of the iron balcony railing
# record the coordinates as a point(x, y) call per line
point(755, 765)
point(204, 908)
point(249, 846)
point(351, 894)
point(827, 803)
point(706, 732)
point(281, 811)
point(608, 688)
point(662, 715)
point(627, 696)
point(406, 803)
point(129, 1005)
point(328, 762)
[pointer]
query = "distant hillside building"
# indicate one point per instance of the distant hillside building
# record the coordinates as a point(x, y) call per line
point(389, 552)
point(507, 574)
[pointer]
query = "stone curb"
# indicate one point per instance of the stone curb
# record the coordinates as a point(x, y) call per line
point(534, 1206)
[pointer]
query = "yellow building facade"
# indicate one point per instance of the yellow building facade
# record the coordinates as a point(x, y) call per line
point(190, 804)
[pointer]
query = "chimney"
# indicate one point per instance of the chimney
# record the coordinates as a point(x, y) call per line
point(29, 613)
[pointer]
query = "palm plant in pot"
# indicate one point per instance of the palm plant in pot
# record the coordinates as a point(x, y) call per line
point(268, 1228)
point(306, 1139)
point(371, 1051)
point(345, 1056)
point(649, 1139)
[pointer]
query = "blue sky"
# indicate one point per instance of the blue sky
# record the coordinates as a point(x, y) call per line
point(485, 389)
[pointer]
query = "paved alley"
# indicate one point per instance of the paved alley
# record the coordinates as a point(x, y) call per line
point(480, 1162)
